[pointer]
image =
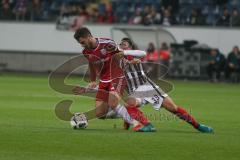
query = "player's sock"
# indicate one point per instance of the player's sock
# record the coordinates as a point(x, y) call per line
point(184, 115)
point(121, 110)
point(142, 102)
point(112, 114)
point(135, 113)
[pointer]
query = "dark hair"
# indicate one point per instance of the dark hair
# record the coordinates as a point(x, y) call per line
point(151, 47)
point(82, 32)
point(130, 42)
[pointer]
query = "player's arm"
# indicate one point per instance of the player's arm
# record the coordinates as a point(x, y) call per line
point(92, 71)
point(134, 53)
point(93, 76)
point(133, 56)
point(78, 90)
point(118, 53)
point(114, 49)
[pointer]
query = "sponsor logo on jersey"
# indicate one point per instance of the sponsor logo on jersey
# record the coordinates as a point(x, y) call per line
point(103, 51)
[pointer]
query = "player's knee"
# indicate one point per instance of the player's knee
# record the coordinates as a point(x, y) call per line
point(169, 104)
point(113, 104)
point(113, 101)
point(100, 112)
point(131, 102)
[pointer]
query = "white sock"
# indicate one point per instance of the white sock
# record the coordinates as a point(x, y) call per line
point(141, 102)
point(121, 110)
point(112, 114)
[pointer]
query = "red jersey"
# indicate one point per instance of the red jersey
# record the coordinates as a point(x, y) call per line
point(164, 54)
point(152, 56)
point(101, 60)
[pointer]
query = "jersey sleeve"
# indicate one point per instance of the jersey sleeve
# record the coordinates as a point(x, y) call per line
point(93, 74)
point(112, 47)
point(92, 70)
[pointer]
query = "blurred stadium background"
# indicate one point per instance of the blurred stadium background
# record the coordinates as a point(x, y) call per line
point(36, 36)
point(179, 33)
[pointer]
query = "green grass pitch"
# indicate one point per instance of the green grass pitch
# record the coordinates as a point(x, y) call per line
point(29, 129)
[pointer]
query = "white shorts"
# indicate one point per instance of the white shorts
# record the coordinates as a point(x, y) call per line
point(149, 93)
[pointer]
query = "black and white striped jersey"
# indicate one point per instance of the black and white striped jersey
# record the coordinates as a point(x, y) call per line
point(136, 79)
point(134, 74)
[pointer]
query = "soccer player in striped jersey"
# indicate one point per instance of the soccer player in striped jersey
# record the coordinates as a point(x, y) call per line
point(138, 83)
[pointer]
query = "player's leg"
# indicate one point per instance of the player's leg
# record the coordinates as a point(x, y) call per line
point(134, 113)
point(169, 105)
point(133, 110)
point(101, 108)
point(113, 103)
point(131, 106)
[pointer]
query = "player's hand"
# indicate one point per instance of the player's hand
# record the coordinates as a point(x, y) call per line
point(135, 61)
point(118, 55)
point(92, 85)
point(79, 90)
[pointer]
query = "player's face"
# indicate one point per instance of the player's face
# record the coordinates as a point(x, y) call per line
point(85, 42)
point(124, 45)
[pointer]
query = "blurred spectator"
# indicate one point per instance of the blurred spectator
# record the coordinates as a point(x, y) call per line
point(81, 11)
point(79, 16)
point(146, 15)
point(20, 9)
point(107, 15)
point(153, 59)
point(153, 17)
point(93, 15)
point(235, 18)
point(6, 11)
point(46, 9)
point(137, 18)
point(233, 62)
point(224, 20)
point(73, 10)
point(64, 10)
point(164, 54)
point(36, 10)
point(152, 53)
point(164, 12)
point(196, 17)
point(220, 2)
point(171, 5)
point(216, 65)
point(168, 19)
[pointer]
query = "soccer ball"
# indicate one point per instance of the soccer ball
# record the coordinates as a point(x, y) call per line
point(79, 121)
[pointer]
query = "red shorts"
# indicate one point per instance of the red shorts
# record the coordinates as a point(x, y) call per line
point(118, 85)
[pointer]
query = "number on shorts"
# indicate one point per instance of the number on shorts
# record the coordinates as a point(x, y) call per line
point(155, 98)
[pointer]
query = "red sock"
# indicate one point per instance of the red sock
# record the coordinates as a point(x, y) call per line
point(184, 115)
point(135, 113)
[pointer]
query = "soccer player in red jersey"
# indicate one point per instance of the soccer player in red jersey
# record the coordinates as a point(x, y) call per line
point(137, 80)
point(100, 54)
